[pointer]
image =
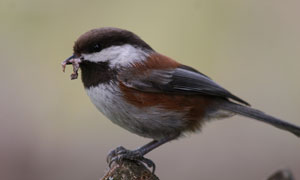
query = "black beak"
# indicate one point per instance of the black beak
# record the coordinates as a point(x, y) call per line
point(67, 61)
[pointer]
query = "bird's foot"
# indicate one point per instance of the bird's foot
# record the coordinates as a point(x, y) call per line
point(120, 153)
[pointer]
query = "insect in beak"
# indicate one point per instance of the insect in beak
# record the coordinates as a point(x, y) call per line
point(75, 61)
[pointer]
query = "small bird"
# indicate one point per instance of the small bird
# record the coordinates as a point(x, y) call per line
point(150, 94)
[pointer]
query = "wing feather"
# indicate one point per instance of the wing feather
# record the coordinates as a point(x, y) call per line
point(177, 80)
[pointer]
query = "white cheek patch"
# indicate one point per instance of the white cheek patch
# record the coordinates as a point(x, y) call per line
point(118, 56)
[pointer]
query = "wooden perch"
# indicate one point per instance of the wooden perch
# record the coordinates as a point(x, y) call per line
point(129, 170)
point(283, 174)
point(132, 170)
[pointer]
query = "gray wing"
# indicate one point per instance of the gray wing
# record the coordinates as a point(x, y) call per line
point(182, 80)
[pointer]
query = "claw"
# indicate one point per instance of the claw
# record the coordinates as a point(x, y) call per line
point(114, 153)
point(150, 164)
point(114, 159)
point(120, 153)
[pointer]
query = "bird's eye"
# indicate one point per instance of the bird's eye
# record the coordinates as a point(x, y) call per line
point(96, 46)
point(81, 58)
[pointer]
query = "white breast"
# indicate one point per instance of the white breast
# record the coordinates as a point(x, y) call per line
point(152, 122)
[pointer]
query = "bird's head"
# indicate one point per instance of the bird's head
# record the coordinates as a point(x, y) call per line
point(112, 46)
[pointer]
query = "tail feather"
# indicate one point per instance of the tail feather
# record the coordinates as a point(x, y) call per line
point(261, 116)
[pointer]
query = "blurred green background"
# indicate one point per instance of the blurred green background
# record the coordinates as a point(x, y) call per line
point(50, 130)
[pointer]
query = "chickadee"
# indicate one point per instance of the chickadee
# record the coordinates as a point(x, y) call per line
point(150, 94)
